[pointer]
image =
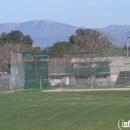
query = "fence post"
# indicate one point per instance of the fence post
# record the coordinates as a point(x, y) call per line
point(111, 84)
point(74, 81)
point(60, 81)
point(40, 83)
point(91, 82)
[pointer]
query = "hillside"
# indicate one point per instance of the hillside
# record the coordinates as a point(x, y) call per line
point(117, 33)
point(46, 33)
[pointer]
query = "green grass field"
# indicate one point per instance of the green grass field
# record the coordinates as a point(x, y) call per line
point(35, 110)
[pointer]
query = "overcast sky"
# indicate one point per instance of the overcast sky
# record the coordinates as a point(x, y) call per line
point(81, 13)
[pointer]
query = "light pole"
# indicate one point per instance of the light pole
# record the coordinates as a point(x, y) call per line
point(128, 40)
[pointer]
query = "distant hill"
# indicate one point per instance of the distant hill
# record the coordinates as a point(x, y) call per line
point(46, 33)
point(117, 33)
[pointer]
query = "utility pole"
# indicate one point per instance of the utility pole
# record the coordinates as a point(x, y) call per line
point(128, 40)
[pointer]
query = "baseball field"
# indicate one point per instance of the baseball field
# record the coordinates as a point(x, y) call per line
point(71, 110)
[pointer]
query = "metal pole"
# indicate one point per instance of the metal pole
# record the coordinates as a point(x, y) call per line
point(61, 82)
point(111, 84)
point(55, 67)
point(19, 78)
point(23, 68)
point(40, 83)
point(125, 75)
point(64, 61)
point(78, 72)
point(74, 80)
point(94, 77)
point(4, 85)
point(91, 81)
point(48, 71)
point(128, 40)
point(35, 69)
point(64, 67)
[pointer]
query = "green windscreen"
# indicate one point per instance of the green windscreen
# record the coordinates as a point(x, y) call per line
point(35, 55)
point(34, 72)
point(102, 70)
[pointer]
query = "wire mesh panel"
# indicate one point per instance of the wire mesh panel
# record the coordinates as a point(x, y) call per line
point(90, 70)
point(69, 70)
point(44, 84)
point(4, 83)
point(34, 72)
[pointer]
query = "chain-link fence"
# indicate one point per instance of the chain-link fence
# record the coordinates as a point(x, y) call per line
point(89, 70)
point(4, 83)
point(104, 69)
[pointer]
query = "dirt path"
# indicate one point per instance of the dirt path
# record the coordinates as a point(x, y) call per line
point(80, 90)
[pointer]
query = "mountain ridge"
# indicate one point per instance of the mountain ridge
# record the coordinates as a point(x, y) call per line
point(46, 33)
point(43, 32)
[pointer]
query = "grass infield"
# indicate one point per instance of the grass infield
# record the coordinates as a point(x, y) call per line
point(35, 110)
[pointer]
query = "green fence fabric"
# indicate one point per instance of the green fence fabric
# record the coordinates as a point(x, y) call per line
point(34, 72)
point(35, 55)
point(101, 71)
point(36, 85)
point(79, 72)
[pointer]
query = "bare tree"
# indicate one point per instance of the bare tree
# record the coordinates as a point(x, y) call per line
point(91, 41)
point(5, 53)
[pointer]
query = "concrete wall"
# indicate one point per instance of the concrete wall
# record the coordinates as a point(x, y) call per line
point(117, 65)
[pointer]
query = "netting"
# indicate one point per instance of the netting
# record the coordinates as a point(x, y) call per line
point(34, 72)
point(4, 83)
point(90, 70)
point(67, 70)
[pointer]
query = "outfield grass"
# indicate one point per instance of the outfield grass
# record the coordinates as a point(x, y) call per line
point(35, 110)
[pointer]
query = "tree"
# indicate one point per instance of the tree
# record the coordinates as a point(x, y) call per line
point(90, 40)
point(27, 40)
point(5, 53)
point(16, 37)
point(15, 40)
point(60, 47)
point(93, 41)
point(83, 40)
point(4, 38)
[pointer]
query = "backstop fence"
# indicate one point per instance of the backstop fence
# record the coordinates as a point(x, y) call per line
point(27, 70)
point(4, 82)
point(89, 70)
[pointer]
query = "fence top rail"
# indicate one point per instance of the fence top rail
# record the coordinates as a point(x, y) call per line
point(48, 53)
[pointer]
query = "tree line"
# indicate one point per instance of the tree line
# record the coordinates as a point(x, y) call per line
point(17, 41)
point(15, 37)
point(83, 40)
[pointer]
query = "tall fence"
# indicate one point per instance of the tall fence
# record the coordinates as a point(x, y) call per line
point(107, 69)
point(89, 70)
point(4, 83)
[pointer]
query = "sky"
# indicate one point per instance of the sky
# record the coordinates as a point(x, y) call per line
point(80, 13)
